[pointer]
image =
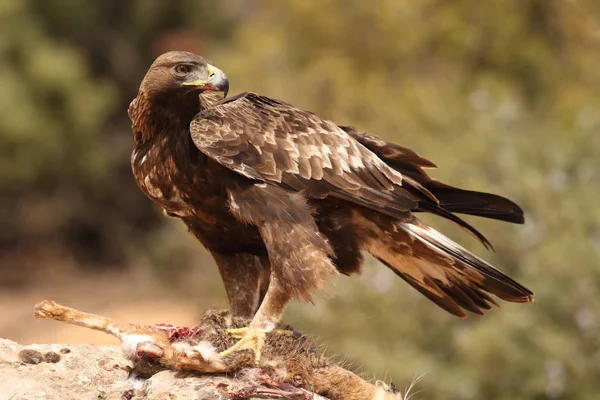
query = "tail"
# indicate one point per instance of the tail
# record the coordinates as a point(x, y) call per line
point(443, 271)
point(481, 204)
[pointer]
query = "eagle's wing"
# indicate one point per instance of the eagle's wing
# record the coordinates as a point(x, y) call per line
point(271, 141)
point(274, 142)
point(451, 199)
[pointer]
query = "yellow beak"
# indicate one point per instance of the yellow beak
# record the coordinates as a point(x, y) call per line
point(216, 80)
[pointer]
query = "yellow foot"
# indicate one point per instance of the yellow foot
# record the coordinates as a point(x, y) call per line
point(239, 333)
point(250, 338)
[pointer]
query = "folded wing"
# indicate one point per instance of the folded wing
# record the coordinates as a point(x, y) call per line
point(271, 141)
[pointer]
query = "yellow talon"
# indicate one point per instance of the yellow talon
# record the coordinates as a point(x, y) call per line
point(238, 333)
point(251, 338)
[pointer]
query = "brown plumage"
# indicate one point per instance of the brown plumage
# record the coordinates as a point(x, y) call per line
point(284, 200)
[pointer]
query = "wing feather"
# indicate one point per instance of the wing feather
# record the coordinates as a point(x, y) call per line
point(272, 141)
point(440, 269)
point(452, 199)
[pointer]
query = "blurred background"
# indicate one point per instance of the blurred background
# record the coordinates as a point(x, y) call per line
point(502, 95)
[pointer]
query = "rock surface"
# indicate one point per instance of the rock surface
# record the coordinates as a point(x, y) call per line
point(83, 371)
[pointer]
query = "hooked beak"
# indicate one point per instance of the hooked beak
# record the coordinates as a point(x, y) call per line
point(216, 80)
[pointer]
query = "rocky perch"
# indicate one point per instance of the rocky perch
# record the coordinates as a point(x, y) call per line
point(83, 371)
point(166, 363)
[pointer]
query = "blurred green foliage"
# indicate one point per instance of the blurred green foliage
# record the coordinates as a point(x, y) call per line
point(502, 95)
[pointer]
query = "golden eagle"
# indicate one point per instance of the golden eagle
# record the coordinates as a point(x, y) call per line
point(285, 200)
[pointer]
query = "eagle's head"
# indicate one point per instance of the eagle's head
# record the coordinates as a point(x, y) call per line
point(180, 76)
point(170, 93)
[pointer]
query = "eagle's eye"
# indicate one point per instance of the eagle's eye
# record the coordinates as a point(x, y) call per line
point(182, 69)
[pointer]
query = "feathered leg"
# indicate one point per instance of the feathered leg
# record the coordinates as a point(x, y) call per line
point(299, 254)
point(246, 279)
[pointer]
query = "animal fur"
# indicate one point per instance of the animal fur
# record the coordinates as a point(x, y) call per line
point(290, 360)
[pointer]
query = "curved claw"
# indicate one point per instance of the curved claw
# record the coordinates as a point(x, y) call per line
point(238, 333)
point(250, 338)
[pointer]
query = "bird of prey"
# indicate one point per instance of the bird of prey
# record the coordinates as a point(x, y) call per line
point(285, 200)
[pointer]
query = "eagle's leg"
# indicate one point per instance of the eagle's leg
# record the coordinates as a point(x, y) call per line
point(246, 279)
point(266, 319)
point(299, 254)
